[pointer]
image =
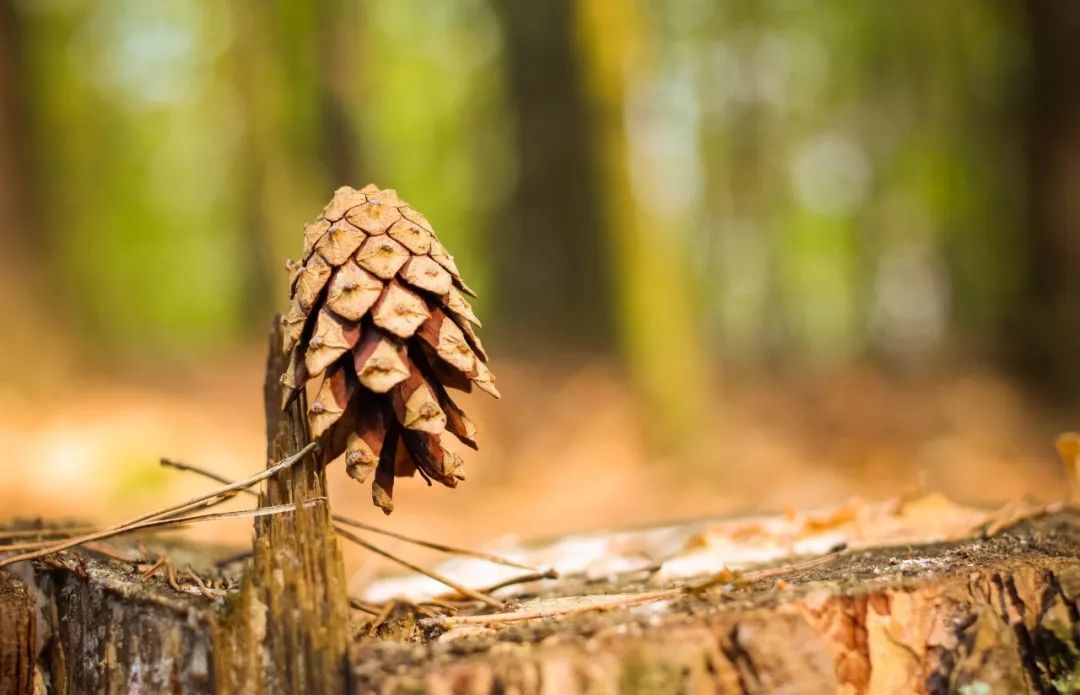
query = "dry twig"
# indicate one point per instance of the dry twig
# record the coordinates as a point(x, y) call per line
point(359, 605)
point(520, 579)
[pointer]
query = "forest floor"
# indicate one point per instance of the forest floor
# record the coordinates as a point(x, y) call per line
point(566, 450)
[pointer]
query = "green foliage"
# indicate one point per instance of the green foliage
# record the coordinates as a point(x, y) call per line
point(809, 180)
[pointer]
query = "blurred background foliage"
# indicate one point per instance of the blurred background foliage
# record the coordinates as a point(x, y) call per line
point(694, 188)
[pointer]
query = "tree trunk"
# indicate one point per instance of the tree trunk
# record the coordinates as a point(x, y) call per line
point(550, 242)
point(1045, 332)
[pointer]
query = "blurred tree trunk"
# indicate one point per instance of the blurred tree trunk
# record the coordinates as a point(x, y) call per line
point(550, 244)
point(292, 68)
point(1049, 320)
point(13, 150)
point(22, 292)
point(659, 325)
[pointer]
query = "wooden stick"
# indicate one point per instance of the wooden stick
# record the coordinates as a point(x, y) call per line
point(128, 525)
point(464, 590)
point(347, 521)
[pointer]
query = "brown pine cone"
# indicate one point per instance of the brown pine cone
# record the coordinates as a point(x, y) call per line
point(379, 318)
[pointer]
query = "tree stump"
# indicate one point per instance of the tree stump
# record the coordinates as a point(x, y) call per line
point(996, 615)
point(978, 616)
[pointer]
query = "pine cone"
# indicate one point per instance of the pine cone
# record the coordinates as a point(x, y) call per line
point(379, 317)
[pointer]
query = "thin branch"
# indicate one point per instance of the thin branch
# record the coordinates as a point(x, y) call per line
point(464, 590)
point(347, 521)
point(109, 552)
point(206, 591)
point(205, 472)
point(446, 606)
point(522, 579)
point(770, 572)
point(129, 525)
point(381, 617)
point(235, 557)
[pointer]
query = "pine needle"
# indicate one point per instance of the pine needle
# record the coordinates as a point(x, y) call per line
point(30, 532)
point(140, 521)
point(463, 590)
point(347, 521)
point(152, 523)
point(449, 549)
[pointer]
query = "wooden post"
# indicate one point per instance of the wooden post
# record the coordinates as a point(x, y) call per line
point(293, 610)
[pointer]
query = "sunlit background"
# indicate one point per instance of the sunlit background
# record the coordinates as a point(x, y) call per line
point(731, 256)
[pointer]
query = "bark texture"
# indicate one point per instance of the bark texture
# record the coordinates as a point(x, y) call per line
point(18, 620)
point(109, 632)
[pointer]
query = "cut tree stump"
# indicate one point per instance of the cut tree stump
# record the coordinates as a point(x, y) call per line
point(995, 615)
